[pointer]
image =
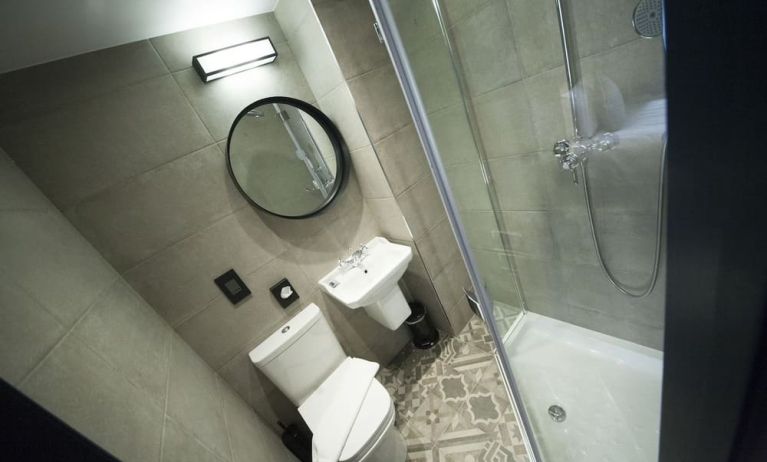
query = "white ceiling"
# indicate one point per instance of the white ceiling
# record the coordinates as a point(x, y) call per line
point(38, 31)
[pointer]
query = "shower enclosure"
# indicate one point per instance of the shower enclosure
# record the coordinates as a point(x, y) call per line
point(544, 125)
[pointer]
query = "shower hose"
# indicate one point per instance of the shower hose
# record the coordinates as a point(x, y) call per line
point(648, 288)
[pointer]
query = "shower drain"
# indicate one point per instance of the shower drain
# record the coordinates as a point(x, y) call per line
point(557, 413)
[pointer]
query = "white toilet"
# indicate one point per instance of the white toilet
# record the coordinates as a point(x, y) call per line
point(304, 360)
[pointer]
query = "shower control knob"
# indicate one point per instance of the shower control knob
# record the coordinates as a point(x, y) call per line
point(561, 148)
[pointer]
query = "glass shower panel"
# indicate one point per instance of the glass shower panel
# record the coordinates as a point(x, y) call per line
point(461, 152)
point(573, 240)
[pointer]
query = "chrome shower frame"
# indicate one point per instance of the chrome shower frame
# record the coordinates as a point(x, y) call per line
point(388, 28)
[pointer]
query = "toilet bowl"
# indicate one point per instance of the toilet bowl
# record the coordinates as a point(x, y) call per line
point(305, 361)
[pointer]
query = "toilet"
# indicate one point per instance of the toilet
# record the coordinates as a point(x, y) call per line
point(305, 361)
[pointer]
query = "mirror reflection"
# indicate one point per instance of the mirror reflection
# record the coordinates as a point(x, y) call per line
point(286, 157)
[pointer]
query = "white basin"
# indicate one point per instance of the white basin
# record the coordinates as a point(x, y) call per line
point(373, 283)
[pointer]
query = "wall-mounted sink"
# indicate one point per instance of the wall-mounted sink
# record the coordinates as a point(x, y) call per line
point(369, 278)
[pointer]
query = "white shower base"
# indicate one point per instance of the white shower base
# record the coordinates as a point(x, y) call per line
point(609, 388)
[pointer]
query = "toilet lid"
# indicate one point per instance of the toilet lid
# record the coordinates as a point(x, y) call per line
point(371, 417)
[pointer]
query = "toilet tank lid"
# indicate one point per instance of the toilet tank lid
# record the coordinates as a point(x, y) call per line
point(285, 335)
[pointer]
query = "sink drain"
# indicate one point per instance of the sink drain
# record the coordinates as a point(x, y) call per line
point(557, 413)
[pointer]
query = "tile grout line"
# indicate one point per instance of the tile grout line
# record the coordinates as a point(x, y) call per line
point(66, 335)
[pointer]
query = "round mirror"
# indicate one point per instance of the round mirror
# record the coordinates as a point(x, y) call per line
point(286, 157)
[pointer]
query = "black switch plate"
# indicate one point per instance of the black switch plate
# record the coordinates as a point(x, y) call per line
point(232, 286)
point(276, 290)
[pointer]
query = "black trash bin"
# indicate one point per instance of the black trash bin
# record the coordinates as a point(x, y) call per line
point(425, 335)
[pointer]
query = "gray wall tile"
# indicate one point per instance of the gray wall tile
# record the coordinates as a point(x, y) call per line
point(389, 216)
point(438, 248)
point(485, 44)
point(177, 49)
point(247, 432)
point(134, 220)
point(27, 333)
point(380, 102)
point(536, 33)
point(194, 400)
point(17, 192)
point(504, 121)
point(41, 89)
point(348, 26)
point(131, 336)
point(314, 55)
point(339, 106)
point(221, 330)
point(372, 180)
point(178, 280)
point(182, 446)
point(519, 184)
point(139, 127)
point(82, 389)
point(291, 13)
point(421, 206)
point(402, 158)
point(38, 247)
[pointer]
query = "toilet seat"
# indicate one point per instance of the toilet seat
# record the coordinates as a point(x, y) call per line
point(375, 416)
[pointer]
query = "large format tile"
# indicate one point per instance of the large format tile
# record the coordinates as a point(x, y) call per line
point(178, 48)
point(348, 26)
point(437, 247)
point(432, 68)
point(218, 102)
point(178, 281)
point(389, 216)
point(179, 445)
point(290, 14)
point(485, 44)
point(193, 398)
point(221, 330)
point(27, 332)
point(598, 25)
point(43, 247)
point(505, 122)
point(131, 336)
point(421, 206)
point(550, 107)
point(251, 438)
point(133, 221)
point(339, 106)
point(83, 390)
point(453, 134)
point(85, 148)
point(518, 182)
point(17, 192)
point(380, 102)
point(536, 33)
point(467, 181)
point(258, 391)
point(373, 183)
point(313, 54)
point(530, 233)
point(402, 158)
point(41, 89)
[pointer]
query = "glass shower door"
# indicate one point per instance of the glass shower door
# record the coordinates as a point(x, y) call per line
point(544, 124)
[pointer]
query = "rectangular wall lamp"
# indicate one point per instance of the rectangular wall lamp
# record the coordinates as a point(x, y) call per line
point(233, 59)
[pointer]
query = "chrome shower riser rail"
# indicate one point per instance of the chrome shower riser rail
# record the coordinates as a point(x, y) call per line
point(404, 73)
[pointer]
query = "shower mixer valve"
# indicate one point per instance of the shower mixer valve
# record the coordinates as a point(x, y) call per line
point(572, 153)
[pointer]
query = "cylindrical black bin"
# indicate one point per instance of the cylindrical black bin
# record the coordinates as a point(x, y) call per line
point(425, 335)
point(298, 442)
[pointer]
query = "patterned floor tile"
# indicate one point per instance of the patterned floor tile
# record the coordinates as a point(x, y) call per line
point(451, 402)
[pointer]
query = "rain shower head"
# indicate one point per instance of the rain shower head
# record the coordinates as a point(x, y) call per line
point(648, 18)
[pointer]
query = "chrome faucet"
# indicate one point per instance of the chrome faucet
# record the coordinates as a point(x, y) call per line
point(354, 260)
point(573, 153)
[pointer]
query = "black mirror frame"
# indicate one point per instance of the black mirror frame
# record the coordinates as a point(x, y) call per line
point(339, 146)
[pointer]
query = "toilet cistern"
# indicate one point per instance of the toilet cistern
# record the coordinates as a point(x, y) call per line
point(368, 279)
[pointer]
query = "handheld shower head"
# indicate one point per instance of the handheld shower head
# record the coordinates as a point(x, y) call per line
point(648, 18)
